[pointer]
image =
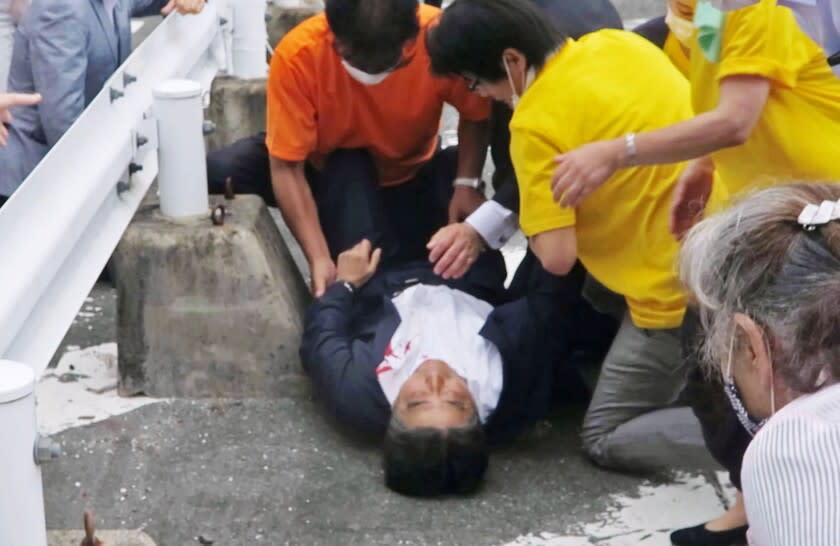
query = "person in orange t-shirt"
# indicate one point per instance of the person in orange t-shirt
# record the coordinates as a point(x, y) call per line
point(351, 149)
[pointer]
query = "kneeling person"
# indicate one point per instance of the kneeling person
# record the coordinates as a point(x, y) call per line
point(506, 50)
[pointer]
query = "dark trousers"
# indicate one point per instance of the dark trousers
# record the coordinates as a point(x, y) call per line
point(351, 204)
point(725, 438)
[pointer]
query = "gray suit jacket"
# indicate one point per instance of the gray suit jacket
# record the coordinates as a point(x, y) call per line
point(65, 50)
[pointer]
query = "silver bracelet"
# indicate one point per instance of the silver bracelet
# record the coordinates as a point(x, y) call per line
point(630, 145)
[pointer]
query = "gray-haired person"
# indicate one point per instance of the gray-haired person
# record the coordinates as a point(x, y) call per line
point(765, 275)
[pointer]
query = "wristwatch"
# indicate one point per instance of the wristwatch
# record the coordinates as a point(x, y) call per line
point(474, 183)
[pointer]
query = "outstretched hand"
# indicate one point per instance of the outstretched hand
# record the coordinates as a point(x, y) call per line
point(583, 170)
point(690, 196)
point(183, 6)
point(454, 249)
point(8, 100)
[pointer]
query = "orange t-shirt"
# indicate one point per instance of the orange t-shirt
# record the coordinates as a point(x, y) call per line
point(316, 107)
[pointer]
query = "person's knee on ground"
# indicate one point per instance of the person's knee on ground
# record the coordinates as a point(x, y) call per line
point(593, 441)
point(435, 443)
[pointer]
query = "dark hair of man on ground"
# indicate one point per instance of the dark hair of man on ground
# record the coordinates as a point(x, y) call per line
point(435, 443)
point(472, 36)
point(372, 34)
point(428, 462)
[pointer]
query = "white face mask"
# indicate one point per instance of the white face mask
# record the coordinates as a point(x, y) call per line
point(530, 76)
point(729, 5)
point(363, 77)
point(682, 29)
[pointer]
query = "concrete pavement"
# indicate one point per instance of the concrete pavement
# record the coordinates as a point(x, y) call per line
point(276, 472)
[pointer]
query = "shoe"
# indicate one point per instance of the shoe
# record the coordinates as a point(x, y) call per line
point(700, 536)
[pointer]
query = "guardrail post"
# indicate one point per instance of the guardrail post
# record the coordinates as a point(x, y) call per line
point(182, 168)
point(250, 38)
point(22, 520)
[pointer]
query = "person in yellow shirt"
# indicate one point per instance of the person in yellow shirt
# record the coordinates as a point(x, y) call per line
point(767, 108)
point(565, 93)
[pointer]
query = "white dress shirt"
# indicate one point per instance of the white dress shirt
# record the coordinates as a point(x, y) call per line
point(494, 223)
point(440, 323)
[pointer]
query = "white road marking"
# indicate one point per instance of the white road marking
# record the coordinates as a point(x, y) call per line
point(82, 389)
point(645, 518)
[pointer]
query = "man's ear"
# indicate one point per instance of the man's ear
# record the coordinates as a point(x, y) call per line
point(758, 355)
point(515, 59)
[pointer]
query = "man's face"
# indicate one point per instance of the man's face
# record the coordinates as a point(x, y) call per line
point(435, 396)
point(683, 8)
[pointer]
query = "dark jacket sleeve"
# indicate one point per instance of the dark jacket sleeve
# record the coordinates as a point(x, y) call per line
point(575, 18)
point(532, 333)
point(145, 8)
point(654, 30)
point(340, 366)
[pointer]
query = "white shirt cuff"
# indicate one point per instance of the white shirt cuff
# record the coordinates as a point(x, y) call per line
point(494, 223)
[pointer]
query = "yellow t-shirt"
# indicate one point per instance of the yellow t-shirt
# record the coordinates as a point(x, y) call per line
point(674, 50)
point(607, 84)
point(798, 134)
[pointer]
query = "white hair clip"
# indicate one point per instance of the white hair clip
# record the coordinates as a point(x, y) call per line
point(819, 215)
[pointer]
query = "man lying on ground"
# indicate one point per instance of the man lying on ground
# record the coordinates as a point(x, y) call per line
point(441, 368)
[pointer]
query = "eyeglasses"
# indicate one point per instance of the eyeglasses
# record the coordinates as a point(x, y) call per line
point(472, 83)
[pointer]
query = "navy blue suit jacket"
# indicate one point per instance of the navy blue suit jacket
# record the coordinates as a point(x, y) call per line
point(346, 334)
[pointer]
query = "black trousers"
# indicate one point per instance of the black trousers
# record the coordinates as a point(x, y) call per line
point(351, 204)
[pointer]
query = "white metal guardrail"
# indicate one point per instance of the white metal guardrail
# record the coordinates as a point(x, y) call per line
point(60, 227)
point(58, 230)
point(62, 224)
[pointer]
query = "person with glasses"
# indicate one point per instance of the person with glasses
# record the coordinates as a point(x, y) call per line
point(563, 93)
point(454, 248)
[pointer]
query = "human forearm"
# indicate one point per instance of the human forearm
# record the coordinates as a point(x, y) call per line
point(731, 123)
point(298, 207)
point(583, 170)
point(145, 8)
point(691, 139)
point(556, 249)
point(473, 139)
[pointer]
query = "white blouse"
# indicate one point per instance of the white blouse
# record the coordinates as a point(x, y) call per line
point(791, 474)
